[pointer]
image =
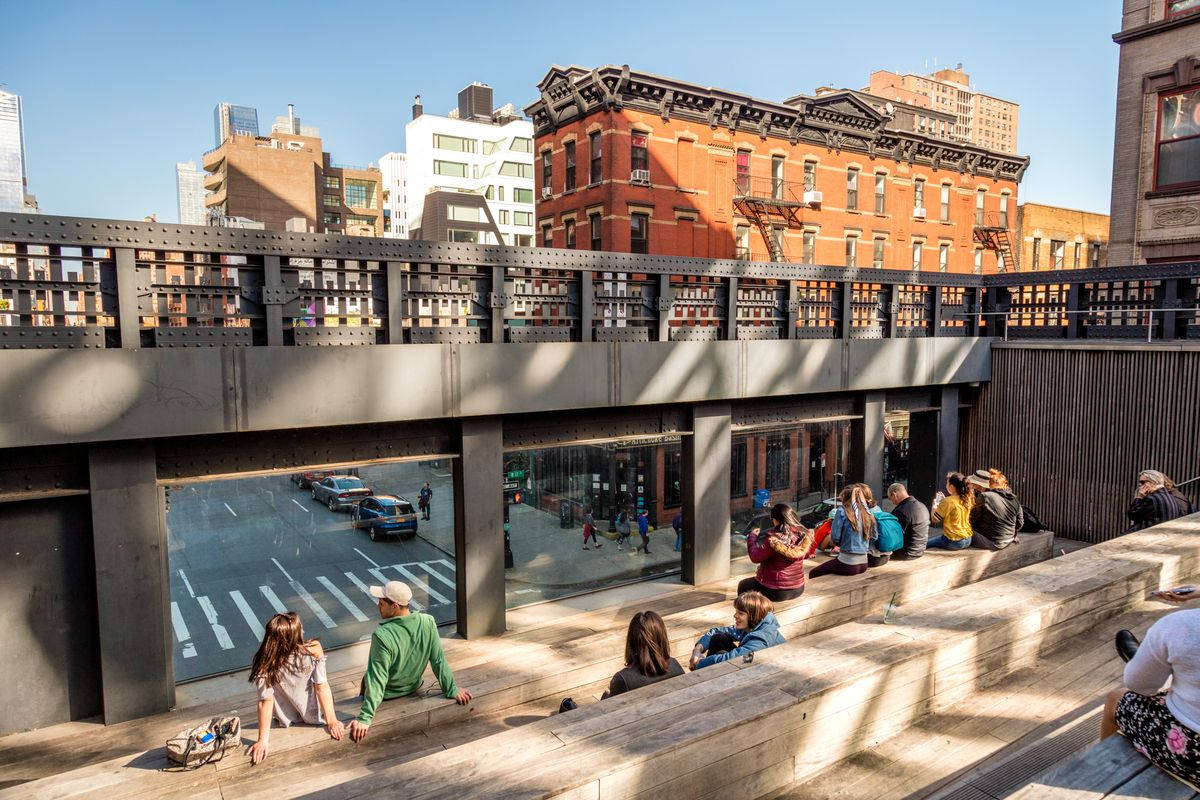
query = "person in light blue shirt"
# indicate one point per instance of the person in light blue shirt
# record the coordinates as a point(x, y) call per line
point(754, 628)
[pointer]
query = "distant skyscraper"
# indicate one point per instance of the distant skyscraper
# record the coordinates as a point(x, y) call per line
point(189, 184)
point(228, 118)
point(13, 173)
point(395, 195)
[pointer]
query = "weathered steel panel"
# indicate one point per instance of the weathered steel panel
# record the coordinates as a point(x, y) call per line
point(1071, 426)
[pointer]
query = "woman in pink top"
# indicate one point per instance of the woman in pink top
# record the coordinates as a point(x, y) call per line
point(780, 554)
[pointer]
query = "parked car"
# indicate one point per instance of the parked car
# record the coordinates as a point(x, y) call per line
point(385, 515)
point(305, 480)
point(340, 491)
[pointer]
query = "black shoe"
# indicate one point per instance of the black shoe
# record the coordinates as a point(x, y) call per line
point(1127, 644)
point(567, 705)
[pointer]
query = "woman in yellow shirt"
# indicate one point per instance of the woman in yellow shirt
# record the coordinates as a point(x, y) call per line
point(953, 510)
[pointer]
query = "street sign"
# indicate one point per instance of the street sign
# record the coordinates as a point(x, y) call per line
point(510, 485)
point(515, 474)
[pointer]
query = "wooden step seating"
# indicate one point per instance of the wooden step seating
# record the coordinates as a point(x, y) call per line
point(744, 730)
point(1107, 769)
point(551, 654)
point(999, 738)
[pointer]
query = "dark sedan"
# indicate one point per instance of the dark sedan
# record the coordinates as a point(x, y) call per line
point(340, 491)
point(385, 515)
point(305, 480)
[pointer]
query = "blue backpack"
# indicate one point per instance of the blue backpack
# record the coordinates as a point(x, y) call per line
point(891, 532)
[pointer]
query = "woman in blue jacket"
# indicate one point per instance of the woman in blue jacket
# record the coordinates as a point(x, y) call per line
point(754, 628)
point(853, 529)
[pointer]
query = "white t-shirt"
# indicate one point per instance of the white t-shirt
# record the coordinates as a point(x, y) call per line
point(295, 692)
point(1171, 650)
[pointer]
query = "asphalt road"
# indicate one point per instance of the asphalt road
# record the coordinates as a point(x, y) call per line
point(242, 550)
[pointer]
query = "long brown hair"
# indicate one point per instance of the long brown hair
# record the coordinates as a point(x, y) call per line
point(283, 640)
point(962, 488)
point(997, 479)
point(647, 648)
point(755, 606)
point(856, 504)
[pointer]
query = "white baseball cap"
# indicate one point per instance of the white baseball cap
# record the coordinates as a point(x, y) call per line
point(396, 591)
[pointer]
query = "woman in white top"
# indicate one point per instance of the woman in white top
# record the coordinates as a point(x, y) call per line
point(290, 676)
point(1163, 724)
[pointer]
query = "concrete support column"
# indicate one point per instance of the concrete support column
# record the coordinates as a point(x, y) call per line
point(129, 534)
point(395, 302)
point(706, 457)
point(866, 443)
point(948, 424)
point(272, 308)
point(479, 528)
point(587, 303)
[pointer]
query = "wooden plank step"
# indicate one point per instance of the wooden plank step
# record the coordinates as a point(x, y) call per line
point(520, 673)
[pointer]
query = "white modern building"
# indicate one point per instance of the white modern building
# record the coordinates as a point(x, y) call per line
point(189, 186)
point(14, 174)
point(395, 195)
point(474, 149)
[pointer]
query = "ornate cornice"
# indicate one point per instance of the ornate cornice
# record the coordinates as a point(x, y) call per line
point(837, 122)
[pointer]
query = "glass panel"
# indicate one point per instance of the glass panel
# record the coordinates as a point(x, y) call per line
point(548, 493)
point(1180, 115)
point(1178, 162)
point(803, 466)
point(244, 549)
point(895, 449)
point(522, 144)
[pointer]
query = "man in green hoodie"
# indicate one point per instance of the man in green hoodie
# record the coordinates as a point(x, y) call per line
point(401, 647)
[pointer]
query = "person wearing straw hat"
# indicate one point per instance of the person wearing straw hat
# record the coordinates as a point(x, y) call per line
point(401, 647)
point(996, 516)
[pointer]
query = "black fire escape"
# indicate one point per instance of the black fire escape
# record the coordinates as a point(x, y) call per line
point(991, 231)
point(770, 204)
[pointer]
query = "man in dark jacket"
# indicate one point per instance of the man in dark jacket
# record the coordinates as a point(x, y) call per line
point(1157, 500)
point(914, 517)
point(996, 516)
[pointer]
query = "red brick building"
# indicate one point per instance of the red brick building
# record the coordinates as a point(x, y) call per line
point(634, 162)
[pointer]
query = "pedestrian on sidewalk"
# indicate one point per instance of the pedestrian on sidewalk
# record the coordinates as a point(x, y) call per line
point(289, 674)
point(780, 554)
point(624, 526)
point(425, 500)
point(677, 524)
point(403, 645)
point(589, 529)
point(644, 531)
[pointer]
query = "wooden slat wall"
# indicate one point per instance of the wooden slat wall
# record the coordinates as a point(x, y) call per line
point(1072, 428)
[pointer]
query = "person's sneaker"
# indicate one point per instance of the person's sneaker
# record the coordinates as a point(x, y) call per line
point(585, 547)
point(1127, 644)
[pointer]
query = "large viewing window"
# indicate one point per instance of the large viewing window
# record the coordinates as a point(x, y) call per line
point(548, 495)
point(1177, 162)
point(457, 143)
point(312, 542)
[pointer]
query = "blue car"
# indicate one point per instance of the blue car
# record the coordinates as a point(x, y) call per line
point(385, 515)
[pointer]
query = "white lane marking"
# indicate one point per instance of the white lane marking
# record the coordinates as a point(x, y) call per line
point(367, 557)
point(354, 579)
point(187, 583)
point(341, 598)
point(181, 629)
point(302, 508)
point(189, 650)
point(448, 564)
point(434, 573)
point(272, 599)
point(247, 613)
point(433, 595)
point(281, 569)
point(311, 602)
point(230, 510)
point(217, 629)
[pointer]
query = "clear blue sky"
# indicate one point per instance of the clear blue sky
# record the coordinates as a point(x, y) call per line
point(115, 93)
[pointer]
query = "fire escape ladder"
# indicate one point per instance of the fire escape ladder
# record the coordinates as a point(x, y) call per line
point(763, 202)
point(993, 235)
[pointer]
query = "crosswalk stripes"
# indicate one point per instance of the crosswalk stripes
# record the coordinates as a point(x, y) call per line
point(247, 613)
point(341, 597)
point(202, 620)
